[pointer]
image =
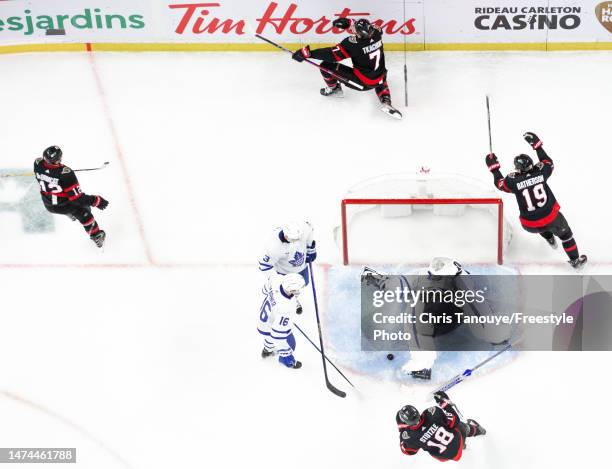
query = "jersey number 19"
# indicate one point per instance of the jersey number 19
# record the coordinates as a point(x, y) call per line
point(536, 192)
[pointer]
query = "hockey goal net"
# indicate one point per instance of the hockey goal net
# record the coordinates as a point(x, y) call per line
point(417, 197)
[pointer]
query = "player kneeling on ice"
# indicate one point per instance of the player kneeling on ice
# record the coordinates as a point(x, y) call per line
point(539, 210)
point(61, 193)
point(276, 317)
point(289, 250)
point(438, 430)
point(365, 49)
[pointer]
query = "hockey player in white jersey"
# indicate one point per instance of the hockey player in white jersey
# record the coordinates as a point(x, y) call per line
point(276, 317)
point(288, 251)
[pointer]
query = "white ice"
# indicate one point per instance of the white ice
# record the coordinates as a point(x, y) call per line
point(146, 355)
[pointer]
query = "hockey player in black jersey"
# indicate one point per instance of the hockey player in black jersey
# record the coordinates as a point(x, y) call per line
point(61, 193)
point(365, 49)
point(539, 210)
point(437, 430)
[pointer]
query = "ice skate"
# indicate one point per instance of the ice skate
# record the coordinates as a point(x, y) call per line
point(335, 92)
point(388, 109)
point(99, 238)
point(579, 263)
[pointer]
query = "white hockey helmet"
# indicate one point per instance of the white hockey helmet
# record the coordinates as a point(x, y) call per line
point(292, 231)
point(292, 284)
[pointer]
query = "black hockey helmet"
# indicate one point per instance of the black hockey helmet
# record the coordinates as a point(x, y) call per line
point(523, 163)
point(363, 28)
point(53, 155)
point(408, 415)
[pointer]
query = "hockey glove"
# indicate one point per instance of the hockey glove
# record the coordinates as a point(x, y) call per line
point(492, 162)
point(100, 203)
point(311, 253)
point(342, 23)
point(533, 140)
point(301, 54)
point(441, 398)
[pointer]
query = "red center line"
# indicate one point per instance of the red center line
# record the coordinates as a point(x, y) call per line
point(120, 156)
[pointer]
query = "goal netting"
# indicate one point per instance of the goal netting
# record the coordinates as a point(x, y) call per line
point(413, 217)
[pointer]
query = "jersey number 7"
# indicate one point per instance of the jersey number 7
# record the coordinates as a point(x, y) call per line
point(376, 57)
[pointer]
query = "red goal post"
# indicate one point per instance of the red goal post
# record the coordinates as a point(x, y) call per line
point(425, 201)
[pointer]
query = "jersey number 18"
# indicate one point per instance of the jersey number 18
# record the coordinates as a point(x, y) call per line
point(443, 438)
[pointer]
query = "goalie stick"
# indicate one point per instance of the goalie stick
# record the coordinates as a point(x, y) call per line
point(467, 373)
point(330, 386)
point(336, 76)
point(31, 173)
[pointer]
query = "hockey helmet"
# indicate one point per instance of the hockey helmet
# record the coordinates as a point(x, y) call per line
point(408, 415)
point(292, 231)
point(523, 163)
point(292, 284)
point(363, 28)
point(53, 155)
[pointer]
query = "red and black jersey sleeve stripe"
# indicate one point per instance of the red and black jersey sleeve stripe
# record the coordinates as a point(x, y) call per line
point(339, 53)
point(407, 450)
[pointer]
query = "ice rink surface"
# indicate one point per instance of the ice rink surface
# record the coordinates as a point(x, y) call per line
point(146, 355)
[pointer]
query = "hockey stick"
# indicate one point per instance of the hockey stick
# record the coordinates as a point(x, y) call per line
point(330, 386)
point(336, 76)
point(31, 173)
point(467, 373)
point(489, 122)
point(326, 358)
point(405, 66)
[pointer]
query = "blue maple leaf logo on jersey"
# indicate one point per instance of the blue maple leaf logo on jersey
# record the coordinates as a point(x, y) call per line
point(298, 259)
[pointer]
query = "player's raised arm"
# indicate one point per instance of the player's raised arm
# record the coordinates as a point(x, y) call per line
point(535, 142)
point(447, 407)
point(498, 178)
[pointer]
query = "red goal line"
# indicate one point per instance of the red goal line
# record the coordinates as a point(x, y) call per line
point(453, 201)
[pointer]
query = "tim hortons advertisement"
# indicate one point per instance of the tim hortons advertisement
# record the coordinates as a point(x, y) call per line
point(221, 20)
